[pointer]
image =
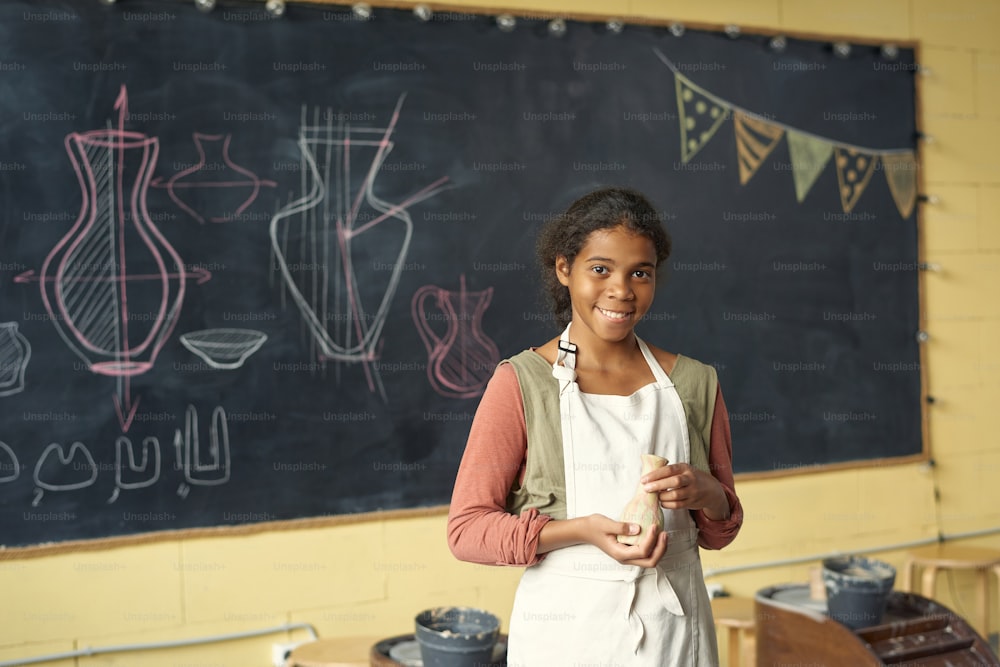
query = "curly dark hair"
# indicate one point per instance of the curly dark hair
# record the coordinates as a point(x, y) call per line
point(565, 235)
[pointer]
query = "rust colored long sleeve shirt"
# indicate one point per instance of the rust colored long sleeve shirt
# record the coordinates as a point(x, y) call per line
point(481, 530)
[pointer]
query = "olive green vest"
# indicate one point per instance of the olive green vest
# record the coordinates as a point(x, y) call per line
point(544, 484)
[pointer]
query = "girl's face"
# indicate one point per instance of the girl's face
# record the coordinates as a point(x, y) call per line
point(611, 283)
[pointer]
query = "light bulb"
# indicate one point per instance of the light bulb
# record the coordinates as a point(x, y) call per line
point(423, 12)
point(506, 22)
point(275, 8)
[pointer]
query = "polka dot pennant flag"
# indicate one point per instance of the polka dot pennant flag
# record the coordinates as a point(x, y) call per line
point(854, 170)
point(700, 116)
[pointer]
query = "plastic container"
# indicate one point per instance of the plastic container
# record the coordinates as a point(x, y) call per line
point(456, 636)
point(857, 589)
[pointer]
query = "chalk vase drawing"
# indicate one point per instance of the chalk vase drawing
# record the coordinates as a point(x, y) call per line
point(15, 351)
point(461, 357)
point(644, 508)
point(214, 189)
point(337, 230)
point(113, 285)
point(339, 248)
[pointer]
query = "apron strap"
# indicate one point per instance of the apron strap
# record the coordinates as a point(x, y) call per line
point(661, 377)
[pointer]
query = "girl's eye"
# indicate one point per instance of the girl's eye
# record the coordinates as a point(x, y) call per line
point(599, 269)
point(639, 273)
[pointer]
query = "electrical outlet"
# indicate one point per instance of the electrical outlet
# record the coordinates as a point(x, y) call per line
point(715, 590)
point(281, 650)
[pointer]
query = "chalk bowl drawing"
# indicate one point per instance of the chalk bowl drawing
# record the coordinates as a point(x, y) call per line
point(339, 248)
point(224, 348)
point(461, 356)
point(61, 470)
point(208, 466)
point(135, 471)
point(215, 188)
point(10, 467)
point(15, 352)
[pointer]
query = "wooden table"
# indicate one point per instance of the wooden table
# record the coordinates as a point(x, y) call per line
point(338, 652)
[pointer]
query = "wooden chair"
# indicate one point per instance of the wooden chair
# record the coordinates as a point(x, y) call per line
point(736, 614)
point(948, 556)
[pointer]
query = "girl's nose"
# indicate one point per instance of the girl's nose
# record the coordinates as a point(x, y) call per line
point(621, 288)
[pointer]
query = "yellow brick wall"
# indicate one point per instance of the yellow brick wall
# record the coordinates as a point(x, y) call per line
point(371, 578)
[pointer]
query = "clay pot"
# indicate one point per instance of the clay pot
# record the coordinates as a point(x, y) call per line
point(644, 508)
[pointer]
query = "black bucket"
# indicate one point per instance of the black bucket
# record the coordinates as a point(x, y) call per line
point(456, 636)
point(857, 589)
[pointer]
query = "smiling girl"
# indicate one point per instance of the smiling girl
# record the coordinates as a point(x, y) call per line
point(554, 453)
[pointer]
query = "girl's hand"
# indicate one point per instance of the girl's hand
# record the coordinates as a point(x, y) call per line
point(680, 486)
point(603, 533)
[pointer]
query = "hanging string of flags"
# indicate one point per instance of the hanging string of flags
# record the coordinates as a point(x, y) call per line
point(702, 113)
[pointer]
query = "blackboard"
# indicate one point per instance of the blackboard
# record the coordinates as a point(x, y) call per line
point(258, 269)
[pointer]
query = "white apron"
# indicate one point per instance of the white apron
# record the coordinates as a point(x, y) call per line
point(579, 606)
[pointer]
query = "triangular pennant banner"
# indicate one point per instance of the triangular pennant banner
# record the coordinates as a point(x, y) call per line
point(901, 174)
point(700, 116)
point(854, 170)
point(809, 156)
point(755, 139)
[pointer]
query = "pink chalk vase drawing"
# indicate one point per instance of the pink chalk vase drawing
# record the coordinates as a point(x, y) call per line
point(328, 242)
point(461, 356)
point(215, 188)
point(113, 285)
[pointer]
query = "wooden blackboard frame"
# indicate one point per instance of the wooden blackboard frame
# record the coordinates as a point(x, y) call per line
point(316, 522)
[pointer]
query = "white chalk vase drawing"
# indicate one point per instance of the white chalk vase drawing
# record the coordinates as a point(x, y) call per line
point(60, 470)
point(339, 248)
point(15, 352)
point(644, 508)
point(204, 465)
point(461, 357)
point(10, 467)
point(113, 285)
